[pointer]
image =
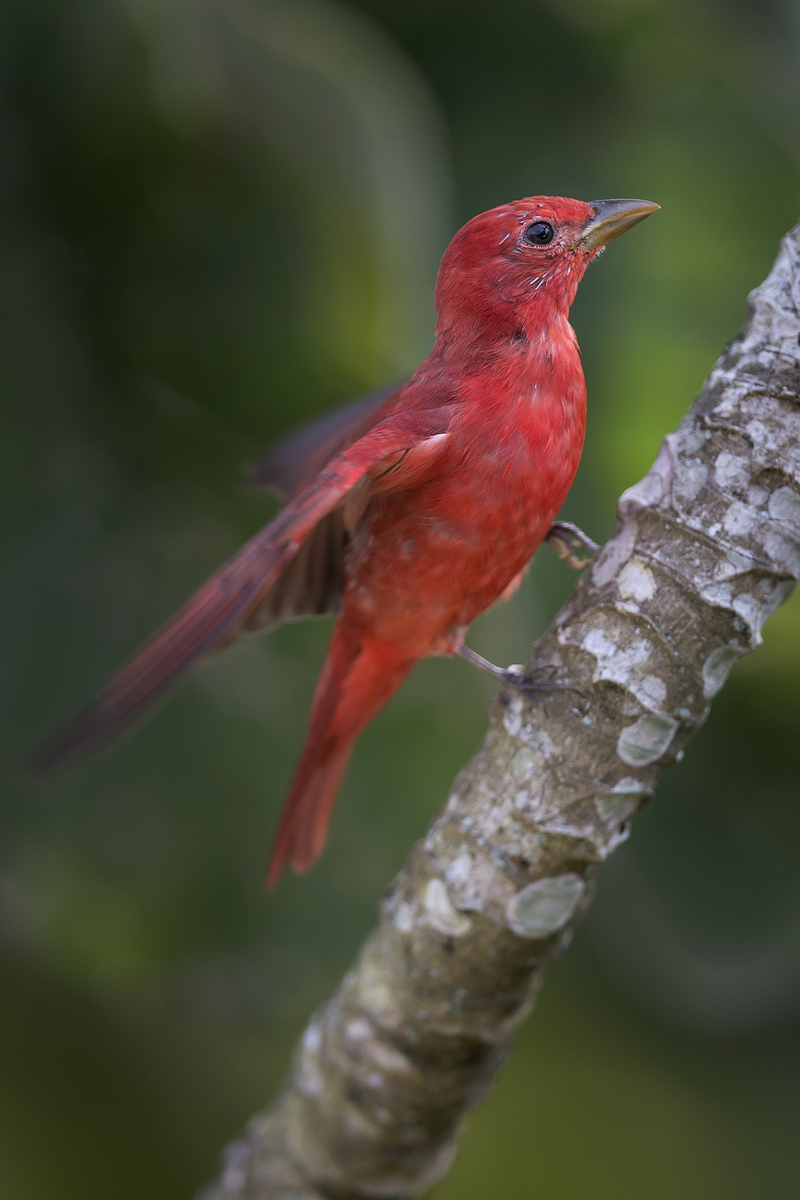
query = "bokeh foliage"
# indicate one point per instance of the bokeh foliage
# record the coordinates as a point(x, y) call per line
point(220, 217)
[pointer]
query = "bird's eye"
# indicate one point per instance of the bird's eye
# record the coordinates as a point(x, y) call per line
point(540, 233)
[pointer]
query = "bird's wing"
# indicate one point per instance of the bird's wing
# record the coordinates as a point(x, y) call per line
point(296, 459)
point(311, 584)
point(227, 602)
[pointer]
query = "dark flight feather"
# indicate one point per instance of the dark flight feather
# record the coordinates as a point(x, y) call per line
point(257, 588)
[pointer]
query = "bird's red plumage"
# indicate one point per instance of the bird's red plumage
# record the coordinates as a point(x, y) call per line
point(447, 487)
point(504, 386)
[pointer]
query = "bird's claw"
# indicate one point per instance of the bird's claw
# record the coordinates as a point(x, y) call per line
point(533, 684)
point(569, 543)
point(529, 683)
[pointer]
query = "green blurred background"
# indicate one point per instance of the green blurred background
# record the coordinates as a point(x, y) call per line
point(219, 218)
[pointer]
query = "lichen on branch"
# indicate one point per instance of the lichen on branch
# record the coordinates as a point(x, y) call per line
point(706, 548)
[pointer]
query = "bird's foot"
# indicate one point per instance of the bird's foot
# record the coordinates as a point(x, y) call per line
point(529, 683)
point(571, 545)
point(535, 683)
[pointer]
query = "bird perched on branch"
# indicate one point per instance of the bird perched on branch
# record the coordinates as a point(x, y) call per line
point(409, 513)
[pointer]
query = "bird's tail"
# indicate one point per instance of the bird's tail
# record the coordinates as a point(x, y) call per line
point(359, 676)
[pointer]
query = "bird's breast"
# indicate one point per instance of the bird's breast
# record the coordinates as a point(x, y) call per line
point(429, 559)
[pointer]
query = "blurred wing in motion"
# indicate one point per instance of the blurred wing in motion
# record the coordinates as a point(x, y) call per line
point(291, 464)
point(293, 567)
point(311, 585)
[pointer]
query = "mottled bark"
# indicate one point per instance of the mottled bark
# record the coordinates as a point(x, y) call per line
point(707, 546)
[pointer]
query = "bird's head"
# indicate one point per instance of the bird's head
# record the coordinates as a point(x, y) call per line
point(520, 264)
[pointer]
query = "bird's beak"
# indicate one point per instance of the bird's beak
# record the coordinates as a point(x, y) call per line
point(610, 218)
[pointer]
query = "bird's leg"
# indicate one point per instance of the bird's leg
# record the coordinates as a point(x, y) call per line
point(571, 545)
point(515, 676)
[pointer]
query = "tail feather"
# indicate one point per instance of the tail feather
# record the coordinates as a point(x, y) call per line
point(359, 676)
point(306, 816)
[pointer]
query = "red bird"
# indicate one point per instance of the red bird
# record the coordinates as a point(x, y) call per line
point(412, 511)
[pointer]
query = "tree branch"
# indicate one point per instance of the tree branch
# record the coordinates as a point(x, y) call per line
point(706, 548)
